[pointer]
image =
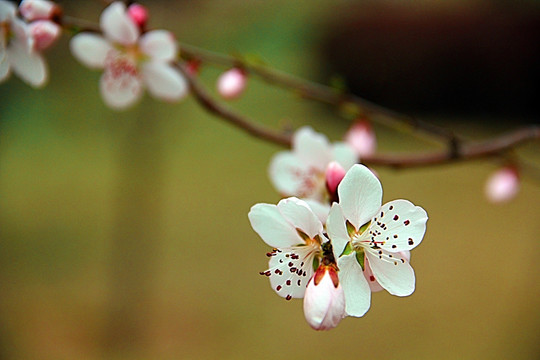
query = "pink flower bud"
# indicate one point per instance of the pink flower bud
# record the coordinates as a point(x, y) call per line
point(334, 175)
point(503, 185)
point(38, 9)
point(324, 300)
point(138, 14)
point(232, 83)
point(361, 138)
point(44, 33)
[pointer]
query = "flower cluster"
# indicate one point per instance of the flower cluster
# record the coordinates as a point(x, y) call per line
point(334, 256)
point(131, 60)
point(23, 39)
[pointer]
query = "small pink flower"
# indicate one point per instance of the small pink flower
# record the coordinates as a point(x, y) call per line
point(138, 14)
point(503, 185)
point(38, 9)
point(131, 61)
point(324, 300)
point(17, 51)
point(334, 175)
point(361, 138)
point(231, 83)
point(44, 33)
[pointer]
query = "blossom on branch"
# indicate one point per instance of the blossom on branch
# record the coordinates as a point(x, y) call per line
point(17, 49)
point(301, 171)
point(502, 185)
point(296, 234)
point(370, 241)
point(131, 61)
point(38, 9)
point(231, 84)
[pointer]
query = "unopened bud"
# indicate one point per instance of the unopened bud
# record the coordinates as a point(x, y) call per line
point(334, 174)
point(324, 300)
point(44, 33)
point(361, 138)
point(138, 14)
point(38, 9)
point(503, 185)
point(231, 83)
point(193, 66)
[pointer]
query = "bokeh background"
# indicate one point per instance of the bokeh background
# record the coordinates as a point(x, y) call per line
point(124, 235)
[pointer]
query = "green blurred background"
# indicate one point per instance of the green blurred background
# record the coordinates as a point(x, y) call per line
point(124, 235)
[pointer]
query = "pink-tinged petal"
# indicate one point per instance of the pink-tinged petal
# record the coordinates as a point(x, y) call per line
point(503, 185)
point(392, 271)
point(312, 148)
point(398, 226)
point(138, 14)
point(90, 49)
point(298, 213)
point(324, 303)
point(334, 174)
point(319, 209)
point(361, 138)
point(231, 84)
point(29, 66)
point(291, 177)
point(272, 227)
point(164, 82)
point(370, 278)
point(44, 33)
point(355, 286)
point(120, 85)
point(37, 9)
point(344, 155)
point(159, 45)
point(290, 270)
point(117, 25)
point(337, 230)
point(360, 195)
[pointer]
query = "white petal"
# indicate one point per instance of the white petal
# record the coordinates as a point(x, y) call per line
point(90, 49)
point(120, 88)
point(4, 63)
point(399, 226)
point(272, 227)
point(29, 66)
point(355, 286)
point(319, 209)
point(360, 195)
point(290, 270)
point(344, 155)
point(298, 213)
point(337, 230)
point(312, 148)
point(370, 278)
point(291, 177)
point(117, 25)
point(164, 82)
point(392, 271)
point(7, 10)
point(159, 45)
point(324, 303)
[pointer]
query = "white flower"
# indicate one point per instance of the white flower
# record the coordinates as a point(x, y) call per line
point(324, 301)
point(301, 171)
point(17, 52)
point(369, 237)
point(296, 234)
point(131, 61)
